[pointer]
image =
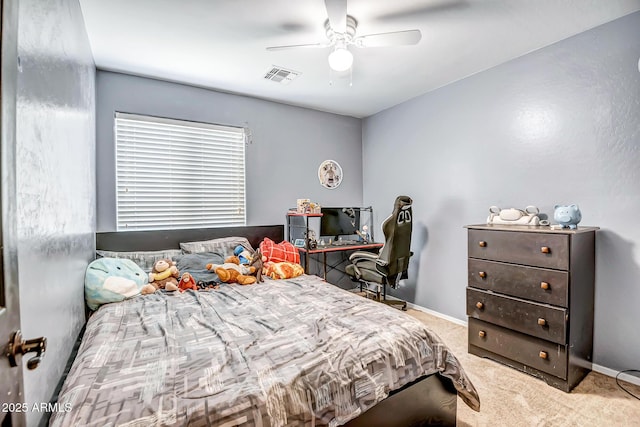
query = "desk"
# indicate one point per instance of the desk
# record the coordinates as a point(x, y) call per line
point(324, 250)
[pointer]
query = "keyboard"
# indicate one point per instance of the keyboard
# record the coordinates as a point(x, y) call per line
point(345, 243)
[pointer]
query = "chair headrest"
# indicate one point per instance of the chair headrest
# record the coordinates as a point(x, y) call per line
point(403, 202)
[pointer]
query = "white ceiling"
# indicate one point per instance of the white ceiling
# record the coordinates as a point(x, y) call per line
point(220, 44)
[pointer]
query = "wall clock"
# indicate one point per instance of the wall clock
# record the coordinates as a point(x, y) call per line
point(330, 174)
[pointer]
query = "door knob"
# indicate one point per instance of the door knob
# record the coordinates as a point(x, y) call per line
point(19, 346)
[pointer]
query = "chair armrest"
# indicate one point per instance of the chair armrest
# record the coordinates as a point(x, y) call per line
point(363, 256)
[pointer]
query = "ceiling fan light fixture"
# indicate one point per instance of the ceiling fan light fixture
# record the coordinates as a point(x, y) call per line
point(340, 59)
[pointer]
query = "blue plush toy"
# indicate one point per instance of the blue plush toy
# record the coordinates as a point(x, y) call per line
point(243, 254)
point(111, 280)
point(567, 216)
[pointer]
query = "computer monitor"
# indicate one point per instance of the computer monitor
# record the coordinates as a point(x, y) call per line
point(339, 221)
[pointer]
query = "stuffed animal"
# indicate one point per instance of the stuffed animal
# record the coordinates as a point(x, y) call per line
point(283, 270)
point(187, 282)
point(258, 262)
point(233, 272)
point(243, 255)
point(163, 276)
point(148, 289)
point(280, 260)
point(279, 252)
point(111, 280)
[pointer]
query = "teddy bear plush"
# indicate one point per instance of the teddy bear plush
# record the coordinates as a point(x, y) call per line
point(187, 282)
point(163, 276)
point(233, 272)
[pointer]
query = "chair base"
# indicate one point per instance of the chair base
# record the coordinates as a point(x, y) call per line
point(395, 302)
point(381, 296)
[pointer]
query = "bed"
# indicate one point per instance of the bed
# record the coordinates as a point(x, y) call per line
point(296, 352)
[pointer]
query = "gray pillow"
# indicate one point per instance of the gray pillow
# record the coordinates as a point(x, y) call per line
point(196, 265)
point(224, 245)
point(144, 259)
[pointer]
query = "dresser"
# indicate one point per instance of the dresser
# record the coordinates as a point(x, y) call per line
point(530, 299)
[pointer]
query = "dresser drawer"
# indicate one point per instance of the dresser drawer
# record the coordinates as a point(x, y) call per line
point(537, 284)
point(540, 320)
point(535, 249)
point(536, 353)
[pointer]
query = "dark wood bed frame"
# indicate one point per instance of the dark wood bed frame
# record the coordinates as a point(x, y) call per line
point(429, 401)
point(170, 239)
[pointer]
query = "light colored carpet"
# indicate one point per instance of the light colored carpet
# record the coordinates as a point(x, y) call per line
point(512, 398)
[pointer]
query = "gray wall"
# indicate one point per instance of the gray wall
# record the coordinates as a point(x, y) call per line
point(559, 125)
point(55, 133)
point(288, 143)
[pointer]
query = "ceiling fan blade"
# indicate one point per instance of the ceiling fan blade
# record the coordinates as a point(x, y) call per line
point(296, 46)
point(395, 38)
point(337, 13)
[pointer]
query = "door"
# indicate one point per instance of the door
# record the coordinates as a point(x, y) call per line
point(12, 411)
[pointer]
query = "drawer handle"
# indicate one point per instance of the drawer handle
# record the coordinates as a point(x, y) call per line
point(543, 355)
point(482, 275)
point(545, 250)
point(482, 244)
point(542, 322)
point(544, 285)
point(479, 305)
point(482, 334)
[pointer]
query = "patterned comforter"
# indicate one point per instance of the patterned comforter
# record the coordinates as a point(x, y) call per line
point(280, 353)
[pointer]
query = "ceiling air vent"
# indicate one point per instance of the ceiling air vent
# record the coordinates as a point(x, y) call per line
point(281, 75)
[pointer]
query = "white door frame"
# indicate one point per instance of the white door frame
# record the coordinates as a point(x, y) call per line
point(11, 385)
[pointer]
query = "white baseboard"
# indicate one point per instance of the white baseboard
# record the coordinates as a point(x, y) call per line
point(436, 314)
point(612, 373)
point(595, 367)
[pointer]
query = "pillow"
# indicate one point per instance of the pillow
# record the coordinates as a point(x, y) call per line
point(111, 280)
point(144, 259)
point(279, 252)
point(224, 245)
point(196, 265)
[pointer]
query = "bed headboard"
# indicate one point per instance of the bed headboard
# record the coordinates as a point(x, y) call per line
point(170, 239)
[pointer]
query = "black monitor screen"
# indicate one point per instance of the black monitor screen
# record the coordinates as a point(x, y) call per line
point(339, 221)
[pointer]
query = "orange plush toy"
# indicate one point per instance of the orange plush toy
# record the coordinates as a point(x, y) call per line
point(187, 282)
point(283, 270)
point(279, 252)
point(233, 272)
point(281, 260)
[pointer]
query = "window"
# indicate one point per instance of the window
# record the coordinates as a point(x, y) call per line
point(178, 174)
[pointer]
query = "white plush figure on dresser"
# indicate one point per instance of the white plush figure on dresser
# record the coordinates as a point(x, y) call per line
point(512, 216)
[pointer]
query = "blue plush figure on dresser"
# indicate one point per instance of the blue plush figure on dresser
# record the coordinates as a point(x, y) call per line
point(567, 216)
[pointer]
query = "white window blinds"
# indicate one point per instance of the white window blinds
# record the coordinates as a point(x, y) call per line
point(178, 174)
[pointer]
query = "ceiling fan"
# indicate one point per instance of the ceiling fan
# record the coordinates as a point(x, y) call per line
point(341, 33)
